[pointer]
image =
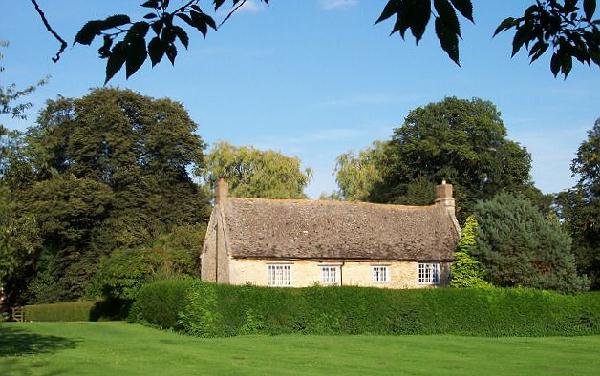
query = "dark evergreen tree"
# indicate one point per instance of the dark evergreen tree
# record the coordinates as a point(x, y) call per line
point(518, 246)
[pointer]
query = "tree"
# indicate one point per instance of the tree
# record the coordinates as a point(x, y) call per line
point(357, 174)
point(565, 28)
point(254, 173)
point(19, 234)
point(465, 270)
point(462, 141)
point(107, 171)
point(579, 207)
point(518, 246)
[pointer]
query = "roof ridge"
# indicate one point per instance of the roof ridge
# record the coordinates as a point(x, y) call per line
point(335, 202)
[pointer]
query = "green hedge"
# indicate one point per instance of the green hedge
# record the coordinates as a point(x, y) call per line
point(159, 303)
point(211, 310)
point(76, 311)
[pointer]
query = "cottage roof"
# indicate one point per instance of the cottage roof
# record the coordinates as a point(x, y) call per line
point(327, 229)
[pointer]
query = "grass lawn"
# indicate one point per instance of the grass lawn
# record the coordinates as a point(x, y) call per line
point(129, 349)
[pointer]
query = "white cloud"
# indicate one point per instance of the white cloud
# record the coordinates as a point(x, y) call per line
point(337, 4)
point(251, 6)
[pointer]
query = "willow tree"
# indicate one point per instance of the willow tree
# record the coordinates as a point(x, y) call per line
point(250, 172)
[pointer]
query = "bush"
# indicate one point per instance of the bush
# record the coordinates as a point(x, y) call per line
point(212, 310)
point(125, 271)
point(159, 303)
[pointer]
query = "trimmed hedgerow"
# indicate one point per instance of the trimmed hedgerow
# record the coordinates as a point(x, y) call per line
point(65, 311)
point(76, 311)
point(159, 303)
point(211, 310)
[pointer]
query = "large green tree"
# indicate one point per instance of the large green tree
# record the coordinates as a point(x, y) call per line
point(356, 174)
point(462, 141)
point(580, 206)
point(108, 170)
point(255, 173)
point(518, 246)
point(565, 29)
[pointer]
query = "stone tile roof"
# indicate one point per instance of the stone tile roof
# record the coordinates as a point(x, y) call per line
point(325, 229)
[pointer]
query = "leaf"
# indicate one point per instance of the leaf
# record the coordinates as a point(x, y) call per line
point(171, 53)
point(521, 36)
point(182, 35)
point(88, 32)
point(589, 7)
point(136, 55)
point(555, 64)
point(465, 7)
point(151, 16)
point(115, 21)
point(448, 16)
point(198, 22)
point(187, 19)
point(420, 18)
point(391, 8)
point(403, 20)
point(115, 61)
point(150, 4)
point(508, 23)
point(156, 50)
point(104, 51)
point(218, 4)
point(448, 40)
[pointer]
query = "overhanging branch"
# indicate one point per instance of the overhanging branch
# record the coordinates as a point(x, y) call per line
point(63, 44)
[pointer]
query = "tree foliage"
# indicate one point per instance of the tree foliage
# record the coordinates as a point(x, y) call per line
point(564, 28)
point(518, 246)
point(106, 171)
point(579, 207)
point(462, 141)
point(357, 174)
point(250, 172)
point(466, 271)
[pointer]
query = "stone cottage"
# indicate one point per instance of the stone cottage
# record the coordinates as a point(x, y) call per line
point(295, 243)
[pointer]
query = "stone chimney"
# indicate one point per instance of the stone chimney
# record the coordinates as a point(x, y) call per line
point(443, 197)
point(221, 191)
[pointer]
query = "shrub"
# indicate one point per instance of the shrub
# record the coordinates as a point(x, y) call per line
point(125, 271)
point(160, 303)
point(211, 310)
point(466, 271)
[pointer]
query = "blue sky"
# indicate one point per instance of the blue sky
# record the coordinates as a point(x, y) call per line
point(316, 78)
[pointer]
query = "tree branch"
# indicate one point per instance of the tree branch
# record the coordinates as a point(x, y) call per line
point(231, 12)
point(63, 44)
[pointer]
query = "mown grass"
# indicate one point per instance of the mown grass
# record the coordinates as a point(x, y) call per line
point(117, 348)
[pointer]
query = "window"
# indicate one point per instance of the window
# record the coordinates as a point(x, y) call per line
point(280, 275)
point(329, 274)
point(380, 274)
point(429, 272)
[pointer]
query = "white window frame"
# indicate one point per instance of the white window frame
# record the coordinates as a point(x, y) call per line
point(329, 274)
point(381, 274)
point(428, 273)
point(279, 275)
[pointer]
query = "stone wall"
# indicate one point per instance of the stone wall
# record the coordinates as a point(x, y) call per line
point(402, 274)
point(215, 261)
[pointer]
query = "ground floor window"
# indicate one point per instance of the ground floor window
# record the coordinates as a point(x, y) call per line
point(329, 274)
point(380, 274)
point(429, 272)
point(280, 275)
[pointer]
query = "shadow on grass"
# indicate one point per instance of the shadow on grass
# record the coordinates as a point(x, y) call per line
point(16, 341)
